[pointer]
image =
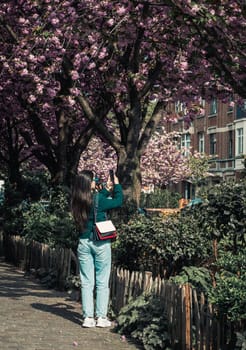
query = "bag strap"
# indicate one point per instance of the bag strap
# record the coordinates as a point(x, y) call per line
point(95, 205)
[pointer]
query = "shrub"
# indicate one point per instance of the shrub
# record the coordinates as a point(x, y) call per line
point(145, 321)
point(16, 201)
point(51, 222)
point(182, 247)
point(229, 296)
point(162, 246)
point(225, 213)
point(197, 277)
point(160, 198)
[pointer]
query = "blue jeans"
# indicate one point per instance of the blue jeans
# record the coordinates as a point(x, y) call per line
point(95, 266)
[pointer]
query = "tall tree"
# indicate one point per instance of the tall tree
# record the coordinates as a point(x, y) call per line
point(35, 87)
point(157, 50)
point(104, 63)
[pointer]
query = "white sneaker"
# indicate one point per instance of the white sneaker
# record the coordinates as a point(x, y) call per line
point(89, 322)
point(103, 322)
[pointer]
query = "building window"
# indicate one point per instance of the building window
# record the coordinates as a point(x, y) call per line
point(212, 141)
point(185, 143)
point(230, 145)
point(213, 107)
point(180, 108)
point(202, 102)
point(201, 142)
point(241, 111)
point(239, 141)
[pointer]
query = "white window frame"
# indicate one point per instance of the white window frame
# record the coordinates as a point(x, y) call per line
point(239, 143)
point(202, 102)
point(201, 142)
point(180, 107)
point(213, 108)
point(186, 143)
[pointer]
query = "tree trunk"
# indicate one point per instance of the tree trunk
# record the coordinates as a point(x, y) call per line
point(130, 177)
point(14, 174)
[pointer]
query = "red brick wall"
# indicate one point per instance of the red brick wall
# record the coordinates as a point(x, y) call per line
point(222, 122)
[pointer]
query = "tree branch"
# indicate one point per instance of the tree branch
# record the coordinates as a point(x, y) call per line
point(151, 125)
point(9, 30)
point(112, 139)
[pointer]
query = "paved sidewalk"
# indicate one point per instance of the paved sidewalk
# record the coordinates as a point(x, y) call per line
point(33, 317)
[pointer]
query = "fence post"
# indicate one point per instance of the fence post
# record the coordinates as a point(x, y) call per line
point(187, 316)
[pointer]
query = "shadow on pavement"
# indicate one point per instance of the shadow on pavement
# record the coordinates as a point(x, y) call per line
point(60, 309)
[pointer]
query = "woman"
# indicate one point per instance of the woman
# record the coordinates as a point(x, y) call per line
point(94, 256)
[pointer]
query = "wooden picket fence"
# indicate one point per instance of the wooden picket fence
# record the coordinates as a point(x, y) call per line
point(193, 322)
point(34, 255)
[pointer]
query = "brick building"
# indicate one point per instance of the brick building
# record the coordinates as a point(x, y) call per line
point(219, 132)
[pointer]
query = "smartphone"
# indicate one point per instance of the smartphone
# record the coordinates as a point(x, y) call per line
point(96, 179)
point(111, 174)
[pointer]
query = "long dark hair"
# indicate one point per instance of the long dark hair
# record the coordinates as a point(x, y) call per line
point(81, 200)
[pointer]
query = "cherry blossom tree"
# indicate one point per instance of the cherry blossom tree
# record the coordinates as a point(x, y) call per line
point(98, 157)
point(218, 32)
point(163, 162)
point(36, 89)
point(76, 68)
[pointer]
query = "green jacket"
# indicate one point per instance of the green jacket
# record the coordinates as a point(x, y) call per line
point(105, 203)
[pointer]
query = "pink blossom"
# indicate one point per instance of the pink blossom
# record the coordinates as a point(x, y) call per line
point(94, 50)
point(31, 98)
point(41, 58)
point(103, 53)
point(184, 65)
point(24, 72)
point(74, 75)
point(6, 65)
point(22, 20)
point(46, 106)
point(110, 22)
point(75, 91)
point(195, 9)
point(40, 88)
point(32, 58)
point(91, 38)
point(91, 65)
point(51, 92)
point(121, 10)
point(71, 101)
point(55, 21)
point(25, 31)
point(85, 59)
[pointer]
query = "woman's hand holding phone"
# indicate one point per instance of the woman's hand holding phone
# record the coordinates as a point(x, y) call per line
point(112, 179)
